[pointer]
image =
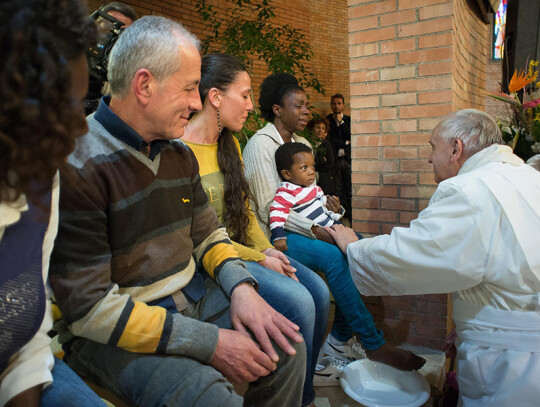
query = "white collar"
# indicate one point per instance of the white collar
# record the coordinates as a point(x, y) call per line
point(491, 154)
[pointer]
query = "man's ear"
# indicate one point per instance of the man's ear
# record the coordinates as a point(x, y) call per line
point(144, 84)
point(286, 175)
point(457, 150)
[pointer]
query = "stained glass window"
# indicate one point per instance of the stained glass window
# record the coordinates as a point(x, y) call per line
point(499, 31)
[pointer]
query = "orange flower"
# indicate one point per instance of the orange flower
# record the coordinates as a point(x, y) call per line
point(520, 80)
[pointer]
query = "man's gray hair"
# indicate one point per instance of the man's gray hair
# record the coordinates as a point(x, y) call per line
point(476, 129)
point(151, 43)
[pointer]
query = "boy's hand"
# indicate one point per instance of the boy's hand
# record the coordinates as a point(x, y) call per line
point(333, 204)
point(321, 234)
point(281, 245)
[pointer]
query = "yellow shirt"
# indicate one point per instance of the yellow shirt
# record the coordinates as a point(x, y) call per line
point(213, 184)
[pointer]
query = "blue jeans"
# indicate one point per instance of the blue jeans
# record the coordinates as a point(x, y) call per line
point(146, 380)
point(305, 303)
point(67, 389)
point(351, 313)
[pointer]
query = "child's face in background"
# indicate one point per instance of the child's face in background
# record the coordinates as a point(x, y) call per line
point(302, 172)
point(320, 131)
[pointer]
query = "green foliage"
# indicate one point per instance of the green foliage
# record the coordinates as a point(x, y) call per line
point(250, 33)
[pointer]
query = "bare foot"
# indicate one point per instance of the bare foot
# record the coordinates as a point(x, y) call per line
point(395, 357)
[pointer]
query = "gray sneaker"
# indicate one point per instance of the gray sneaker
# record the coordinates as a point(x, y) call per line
point(348, 352)
point(328, 372)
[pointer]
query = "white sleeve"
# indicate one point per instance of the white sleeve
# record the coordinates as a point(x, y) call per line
point(32, 364)
point(442, 251)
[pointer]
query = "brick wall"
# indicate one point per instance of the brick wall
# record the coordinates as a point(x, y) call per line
point(411, 63)
point(323, 22)
point(493, 84)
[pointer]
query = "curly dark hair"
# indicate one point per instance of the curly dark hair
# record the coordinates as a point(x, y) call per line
point(220, 71)
point(285, 155)
point(39, 118)
point(273, 89)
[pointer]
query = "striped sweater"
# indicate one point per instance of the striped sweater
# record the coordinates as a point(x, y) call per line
point(132, 229)
point(306, 201)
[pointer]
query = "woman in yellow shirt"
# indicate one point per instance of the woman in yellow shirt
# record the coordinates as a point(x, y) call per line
point(288, 286)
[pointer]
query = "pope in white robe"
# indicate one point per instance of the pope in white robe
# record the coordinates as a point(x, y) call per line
point(479, 239)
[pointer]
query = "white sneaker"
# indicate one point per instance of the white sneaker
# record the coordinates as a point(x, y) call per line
point(348, 352)
point(329, 374)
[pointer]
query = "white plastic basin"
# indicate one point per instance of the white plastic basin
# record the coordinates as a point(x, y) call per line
point(377, 385)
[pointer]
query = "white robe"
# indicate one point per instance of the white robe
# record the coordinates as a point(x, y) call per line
point(479, 238)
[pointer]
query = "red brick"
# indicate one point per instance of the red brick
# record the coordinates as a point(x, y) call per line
point(378, 191)
point(364, 101)
point(436, 68)
point(365, 202)
point(364, 227)
point(438, 40)
point(426, 179)
point(413, 85)
point(400, 17)
point(375, 215)
point(409, 112)
point(416, 166)
point(373, 89)
point(426, 55)
point(391, 126)
point(389, 47)
point(398, 204)
point(375, 114)
point(365, 76)
point(414, 139)
point(399, 179)
point(406, 217)
point(363, 178)
point(399, 99)
point(366, 127)
point(379, 7)
point(362, 50)
point(435, 308)
point(363, 24)
point(406, 4)
point(417, 192)
point(400, 152)
point(439, 10)
point(365, 152)
point(423, 204)
point(378, 140)
point(425, 27)
point(387, 229)
point(374, 166)
point(440, 96)
point(398, 73)
point(424, 152)
point(377, 34)
point(428, 124)
point(372, 62)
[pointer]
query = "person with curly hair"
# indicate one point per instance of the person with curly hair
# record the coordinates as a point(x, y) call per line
point(284, 105)
point(43, 79)
point(288, 286)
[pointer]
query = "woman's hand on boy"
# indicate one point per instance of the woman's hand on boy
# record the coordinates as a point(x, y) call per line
point(277, 261)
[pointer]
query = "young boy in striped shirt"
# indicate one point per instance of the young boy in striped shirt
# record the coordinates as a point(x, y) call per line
point(298, 192)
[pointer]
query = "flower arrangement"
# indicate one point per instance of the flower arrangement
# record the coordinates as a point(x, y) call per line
point(522, 132)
